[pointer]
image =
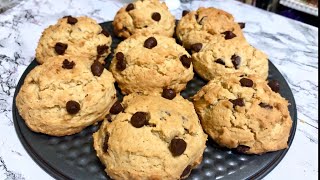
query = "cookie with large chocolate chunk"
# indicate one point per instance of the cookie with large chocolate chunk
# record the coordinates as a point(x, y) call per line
point(153, 137)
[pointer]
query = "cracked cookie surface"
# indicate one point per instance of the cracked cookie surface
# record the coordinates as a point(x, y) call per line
point(144, 17)
point(74, 36)
point(243, 112)
point(202, 25)
point(154, 150)
point(148, 64)
point(62, 96)
point(220, 57)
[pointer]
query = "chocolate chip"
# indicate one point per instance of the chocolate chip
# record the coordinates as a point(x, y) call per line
point(274, 85)
point(121, 65)
point(196, 16)
point(156, 16)
point(168, 93)
point(186, 171)
point(73, 107)
point(220, 61)
point(71, 20)
point(245, 82)
point(265, 105)
point(102, 49)
point(243, 148)
point(60, 48)
point(139, 119)
point(185, 12)
point(120, 56)
point(130, 7)
point(242, 25)
point(237, 102)
point(177, 146)
point(196, 47)
point(97, 68)
point(106, 33)
point(108, 117)
point(116, 108)
point(186, 62)
point(229, 35)
point(67, 64)
point(236, 61)
point(150, 43)
point(105, 143)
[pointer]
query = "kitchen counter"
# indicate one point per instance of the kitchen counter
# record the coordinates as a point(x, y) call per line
point(292, 46)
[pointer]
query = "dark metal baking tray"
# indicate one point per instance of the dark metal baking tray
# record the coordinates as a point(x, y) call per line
point(73, 157)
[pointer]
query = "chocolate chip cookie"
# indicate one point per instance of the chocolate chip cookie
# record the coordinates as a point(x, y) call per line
point(151, 138)
point(65, 94)
point(220, 57)
point(200, 26)
point(144, 17)
point(244, 113)
point(151, 64)
point(74, 36)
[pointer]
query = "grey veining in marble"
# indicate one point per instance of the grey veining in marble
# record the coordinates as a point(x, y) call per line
point(292, 46)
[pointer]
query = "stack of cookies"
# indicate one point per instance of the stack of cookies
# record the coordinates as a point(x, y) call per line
point(154, 133)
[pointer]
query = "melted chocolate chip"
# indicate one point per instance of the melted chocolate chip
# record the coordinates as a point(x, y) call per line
point(196, 47)
point(150, 43)
point(185, 12)
point(220, 61)
point(120, 56)
point(274, 85)
point(105, 143)
point(243, 148)
point(116, 108)
point(156, 16)
point(242, 25)
point(237, 102)
point(236, 61)
point(60, 48)
point(186, 62)
point(177, 146)
point(108, 117)
point(106, 33)
point(97, 68)
point(72, 107)
point(228, 35)
point(265, 105)
point(186, 171)
point(139, 119)
point(129, 7)
point(66, 64)
point(102, 49)
point(168, 93)
point(196, 16)
point(121, 65)
point(245, 82)
point(71, 20)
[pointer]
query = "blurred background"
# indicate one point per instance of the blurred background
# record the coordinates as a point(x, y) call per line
point(301, 10)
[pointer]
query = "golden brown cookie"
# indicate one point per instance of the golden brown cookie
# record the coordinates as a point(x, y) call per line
point(243, 112)
point(150, 64)
point(79, 36)
point(152, 138)
point(202, 25)
point(144, 17)
point(65, 94)
point(220, 57)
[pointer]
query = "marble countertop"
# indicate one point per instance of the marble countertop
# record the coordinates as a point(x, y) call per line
point(292, 46)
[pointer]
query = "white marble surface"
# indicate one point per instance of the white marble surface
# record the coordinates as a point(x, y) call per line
point(291, 46)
